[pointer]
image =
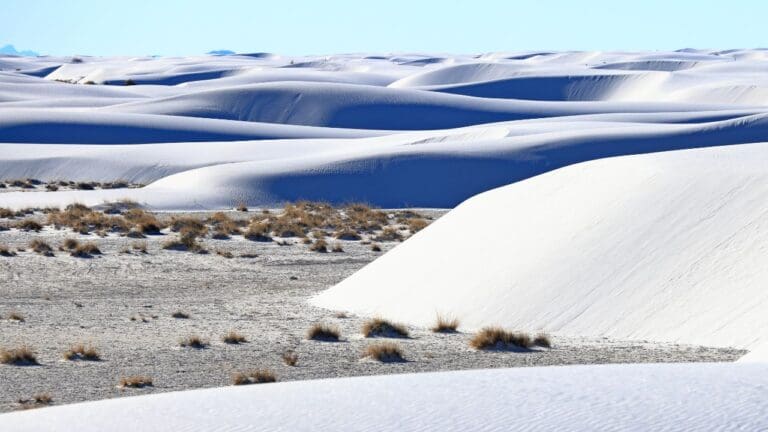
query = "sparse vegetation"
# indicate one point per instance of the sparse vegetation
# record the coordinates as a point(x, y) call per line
point(37, 401)
point(82, 352)
point(324, 332)
point(542, 340)
point(29, 225)
point(386, 352)
point(15, 316)
point(232, 337)
point(375, 248)
point(85, 250)
point(21, 356)
point(41, 247)
point(337, 248)
point(416, 225)
point(500, 339)
point(180, 315)
point(290, 358)
point(319, 246)
point(445, 325)
point(5, 252)
point(256, 376)
point(193, 341)
point(135, 381)
point(379, 327)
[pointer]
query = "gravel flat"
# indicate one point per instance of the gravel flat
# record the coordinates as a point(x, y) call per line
point(122, 304)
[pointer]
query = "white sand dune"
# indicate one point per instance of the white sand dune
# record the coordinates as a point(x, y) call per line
point(691, 397)
point(665, 247)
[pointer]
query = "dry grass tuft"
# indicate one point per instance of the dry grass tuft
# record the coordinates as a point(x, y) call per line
point(258, 231)
point(416, 225)
point(256, 376)
point(379, 327)
point(290, 358)
point(341, 315)
point(375, 248)
point(69, 244)
point(225, 254)
point(319, 246)
point(389, 234)
point(15, 316)
point(82, 352)
point(497, 338)
point(234, 338)
point(347, 234)
point(193, 341)
point(324, 332)
point(29, 225)
point(445, 325)
point(180, 315)
point(4, 251)
point(85, 250)
point(386, 352)
point(37, 401)
point(6, 213)
point(542, 340)
point(139, 246)
point(135, 381)
point(41, 247)
point(21, 356)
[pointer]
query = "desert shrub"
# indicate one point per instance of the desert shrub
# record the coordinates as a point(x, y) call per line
point(85, 250)
point(341, 315)
point(180, 315)
point(542, 340)
point(378, 327)
point(500, 339)
point(142, 221)
point(361, 217)
point(41, 247)
point(225, 254)
point(389, 234)
point(21, 356)
point(139, 246)
point(319, 246)
point(188, 224)
point(135, 381)
point(69, 244)
point(29, 225)
point(82, 352)
point(324, 332)
point(7, 213)
point(337, 248)
point(85, 185)
point(16, 316)
point(256, 376)
point(258, 231)
point(234, 338)
point(193, 341)
point(375, 248)
point(416, 225)
point(51, 187)
point(185, 242)
point(347, 234)
point(5, 252)
point(223, 226)
point(386, 352)
point(290, 358)
point(37, 401)
point(445, 325)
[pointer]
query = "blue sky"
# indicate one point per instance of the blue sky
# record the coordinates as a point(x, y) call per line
point(175, 27)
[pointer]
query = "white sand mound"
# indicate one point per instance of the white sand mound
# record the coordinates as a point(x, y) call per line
point(693, 397)
point(666, 246)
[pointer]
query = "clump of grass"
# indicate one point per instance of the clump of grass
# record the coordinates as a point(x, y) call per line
point(389, 234)
point(5, 252)
point(85, 250)
point(445, 325)
point(256, 376)
point(225, 254)
point(187, 241)
point(234, 338)
point(379, 327)
point(82, 352)
point(375, 248)
point(29, 225)
point(319, 245)
point(337, 248)
point(69, 244)
point(139, 246)
point(347, 234)
point(16, 316)
point(500, 339)
point(21, 356)
point(37, 401)
point(341, 315)
point(324, 332)
point(6, 213)
point(41, 247)
point(258, 231)
point(193, 341)
point(135, 381)
point(416, 225)
point(385, 352)
point(180, 315)
point(542, 340)
point(290, 358)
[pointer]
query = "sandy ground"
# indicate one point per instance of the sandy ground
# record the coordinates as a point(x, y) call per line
point(66, 300)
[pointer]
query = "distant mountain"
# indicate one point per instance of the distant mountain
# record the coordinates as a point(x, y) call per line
point(220, 52)
point(10, 50)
